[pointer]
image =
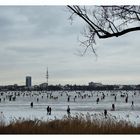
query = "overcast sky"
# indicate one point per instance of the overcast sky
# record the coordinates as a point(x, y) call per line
point(34, 38)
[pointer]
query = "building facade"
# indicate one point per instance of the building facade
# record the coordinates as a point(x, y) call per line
point(28, 81)
point(92, 84)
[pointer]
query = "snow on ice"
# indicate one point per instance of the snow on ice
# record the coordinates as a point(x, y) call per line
point(15, 105)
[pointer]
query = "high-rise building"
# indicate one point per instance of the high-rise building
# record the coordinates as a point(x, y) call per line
point(28, 81)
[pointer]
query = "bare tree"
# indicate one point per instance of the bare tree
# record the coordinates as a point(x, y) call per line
point(106, 21)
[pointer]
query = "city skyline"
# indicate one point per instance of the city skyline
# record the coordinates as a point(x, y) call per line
point(35, 37)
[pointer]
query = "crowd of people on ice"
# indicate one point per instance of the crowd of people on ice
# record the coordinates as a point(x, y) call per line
point(99, 97)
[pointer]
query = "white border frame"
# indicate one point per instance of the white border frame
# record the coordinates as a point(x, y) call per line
point(69, 2)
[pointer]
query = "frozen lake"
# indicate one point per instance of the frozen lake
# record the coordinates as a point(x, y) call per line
point(15, 105)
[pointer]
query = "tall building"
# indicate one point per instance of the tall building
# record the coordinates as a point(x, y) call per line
point(28, 81)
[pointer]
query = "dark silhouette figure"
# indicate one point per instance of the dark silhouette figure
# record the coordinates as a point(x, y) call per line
point(37, 100)
point(105, 113)
point(31, 104)
point(48, 109)
point(75, 98)
point(126, 99)
point(68, 111)
point(14, 98)
point(103, 96)
point(132, 105)
point(0, 99)
point(122, 95)
point(10, 97)
point(97, 100)
point(68, 98)
point(113, 107)
point(115, 98)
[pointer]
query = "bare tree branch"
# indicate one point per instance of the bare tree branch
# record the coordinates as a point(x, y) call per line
point(107, 21)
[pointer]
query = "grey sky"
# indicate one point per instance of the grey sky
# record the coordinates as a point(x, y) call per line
point(33, 38)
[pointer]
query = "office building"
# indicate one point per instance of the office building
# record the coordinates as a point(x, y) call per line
point(28, 81)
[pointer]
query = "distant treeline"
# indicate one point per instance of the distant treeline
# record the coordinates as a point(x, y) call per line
point(69, 87)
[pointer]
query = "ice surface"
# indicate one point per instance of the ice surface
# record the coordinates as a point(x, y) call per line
point(80, 102)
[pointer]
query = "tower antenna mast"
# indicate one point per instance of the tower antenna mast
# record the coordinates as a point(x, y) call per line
point(47, 76)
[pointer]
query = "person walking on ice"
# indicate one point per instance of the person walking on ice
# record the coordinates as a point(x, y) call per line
point(68, 111)
point(68, 98)
point(31, 104)
point(115, 98)
point(113, 107)
point(97, 100)
point(49, 110)
point(126, 99)
point(105, 113)
point(132, 105)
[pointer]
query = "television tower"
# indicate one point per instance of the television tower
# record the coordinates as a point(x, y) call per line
point(47, 76)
